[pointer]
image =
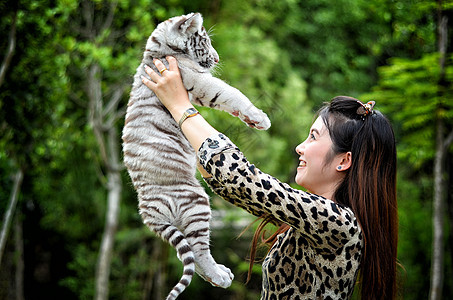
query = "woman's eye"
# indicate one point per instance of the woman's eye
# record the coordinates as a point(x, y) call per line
point(312, 136)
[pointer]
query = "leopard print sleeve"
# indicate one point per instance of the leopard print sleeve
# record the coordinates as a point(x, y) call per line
point(325, 224)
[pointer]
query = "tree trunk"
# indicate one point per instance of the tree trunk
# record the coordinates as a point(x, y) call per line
point(442, 144)
point(10, 49)
point(20, 266)
point(160, 278)
point(102, 119)
point(438, 217)
point(154, 260)
point(156, 285)
point(449, 197)
point(108, 238)
point(10, 211)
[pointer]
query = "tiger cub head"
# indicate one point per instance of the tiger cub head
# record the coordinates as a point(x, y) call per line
point(183, 35)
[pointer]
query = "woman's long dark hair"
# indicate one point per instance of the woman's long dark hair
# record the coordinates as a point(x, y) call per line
point(368, 189)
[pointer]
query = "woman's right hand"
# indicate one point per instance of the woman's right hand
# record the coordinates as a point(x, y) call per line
point(168, 86)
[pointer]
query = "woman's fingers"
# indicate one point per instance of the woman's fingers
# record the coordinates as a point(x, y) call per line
point(151, 73)
point(149, 83)
point(152, 84)
point(173, 64)
point(160, 66)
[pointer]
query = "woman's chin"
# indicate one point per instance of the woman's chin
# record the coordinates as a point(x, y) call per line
point(299, 181)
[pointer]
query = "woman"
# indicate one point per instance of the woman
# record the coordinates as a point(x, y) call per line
point(344, 229)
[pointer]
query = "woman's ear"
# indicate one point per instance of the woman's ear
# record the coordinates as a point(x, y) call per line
point(345, 160)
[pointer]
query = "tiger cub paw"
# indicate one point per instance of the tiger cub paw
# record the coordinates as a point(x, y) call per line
point(254, 118)
point(220, 277)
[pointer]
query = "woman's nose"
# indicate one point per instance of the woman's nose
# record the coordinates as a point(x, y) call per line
point(299, 149)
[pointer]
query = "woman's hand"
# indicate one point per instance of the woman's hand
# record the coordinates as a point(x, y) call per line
point(168, 86)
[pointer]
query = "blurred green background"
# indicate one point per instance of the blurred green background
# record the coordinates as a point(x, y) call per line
point(67, 69)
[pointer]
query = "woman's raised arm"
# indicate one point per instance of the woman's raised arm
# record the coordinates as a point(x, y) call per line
point(171, 92)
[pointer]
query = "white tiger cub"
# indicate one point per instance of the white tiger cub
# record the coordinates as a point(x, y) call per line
point(160, 160)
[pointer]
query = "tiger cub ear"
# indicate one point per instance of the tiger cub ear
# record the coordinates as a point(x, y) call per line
point(190, 23)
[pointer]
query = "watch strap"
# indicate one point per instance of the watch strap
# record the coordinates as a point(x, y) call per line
point(187, 114)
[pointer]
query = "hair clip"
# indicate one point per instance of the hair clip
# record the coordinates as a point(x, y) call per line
point(365, 109)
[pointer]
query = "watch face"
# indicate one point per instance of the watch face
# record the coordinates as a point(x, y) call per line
point(187, 114)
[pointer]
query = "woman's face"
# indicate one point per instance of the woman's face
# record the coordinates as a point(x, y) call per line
point(312, 172)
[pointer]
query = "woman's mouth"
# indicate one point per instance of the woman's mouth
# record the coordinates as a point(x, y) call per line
point(302, 163)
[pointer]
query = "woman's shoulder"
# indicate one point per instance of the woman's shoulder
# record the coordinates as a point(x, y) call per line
point(325, 223)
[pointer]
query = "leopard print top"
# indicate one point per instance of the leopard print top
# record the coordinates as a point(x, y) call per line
point(319, 256)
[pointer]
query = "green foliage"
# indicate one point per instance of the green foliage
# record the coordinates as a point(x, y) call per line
point(82, 283)
point(414, 251)
point(29, 105)
point(410, 92)
point(332, 44)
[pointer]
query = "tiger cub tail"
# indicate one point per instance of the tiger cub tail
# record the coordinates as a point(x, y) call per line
point(176, 238)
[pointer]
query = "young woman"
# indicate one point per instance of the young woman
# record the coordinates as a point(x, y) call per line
point(344, 229)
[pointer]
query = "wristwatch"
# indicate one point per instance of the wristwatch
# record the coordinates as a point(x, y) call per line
point(187, 114)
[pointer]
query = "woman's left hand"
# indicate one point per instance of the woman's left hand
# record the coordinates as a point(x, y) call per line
point(168, 85)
